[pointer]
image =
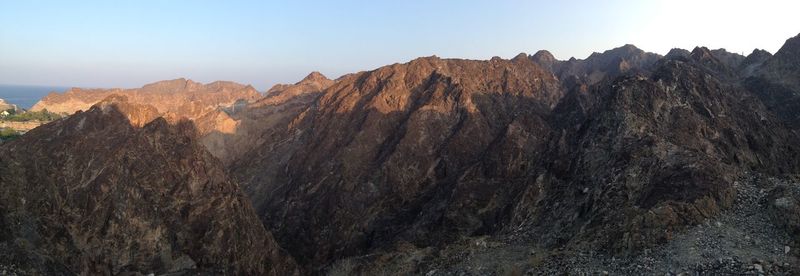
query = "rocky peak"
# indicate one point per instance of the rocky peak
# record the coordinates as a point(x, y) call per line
point(758, 54)
point(171, 85)
point(631, 49)
point(520, 57)
point(314, 77)
point(627, 52)
point(546, 60)
point(678, 53)
point(777, 82)
point(315, 82)
point(732, 60)
point(543, 56)
point(753, 62)
point(708, 60)
point(701, 53)
point(786, 61)
point(790, 49)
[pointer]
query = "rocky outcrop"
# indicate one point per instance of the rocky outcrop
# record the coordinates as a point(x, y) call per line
point(546, 60)
point(229, 135)
point(777, 82)
point(634, 162)
point(678, 53)
point(625, 60)
point(753, 62)
point(732, 60)
point(116, 190)
point(707, 59)
point(315, 81)
point(181, 98)
point(783, 205)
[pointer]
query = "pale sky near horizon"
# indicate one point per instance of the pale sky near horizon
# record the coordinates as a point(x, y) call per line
point(131, 43)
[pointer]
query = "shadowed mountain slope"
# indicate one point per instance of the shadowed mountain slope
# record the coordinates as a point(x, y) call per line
point(117, 190)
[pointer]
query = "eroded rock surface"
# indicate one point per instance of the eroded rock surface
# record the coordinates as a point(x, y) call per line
point(435, 149)
point(116, 190)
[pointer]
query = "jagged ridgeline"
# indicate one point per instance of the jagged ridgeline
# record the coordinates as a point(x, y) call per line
point(617, 154)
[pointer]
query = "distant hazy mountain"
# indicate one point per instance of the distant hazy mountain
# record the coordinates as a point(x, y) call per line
point(180, 97)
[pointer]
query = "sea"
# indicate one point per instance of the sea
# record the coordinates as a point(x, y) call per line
point(25, 96)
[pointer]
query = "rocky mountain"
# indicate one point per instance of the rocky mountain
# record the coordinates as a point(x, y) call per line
point(777, 82)
point(435, 149)
point(118, 190)
point(178, 98)
point(753, 61)
point(369, 157)
point(636, 161)
point(435, 166)
point(599, 66)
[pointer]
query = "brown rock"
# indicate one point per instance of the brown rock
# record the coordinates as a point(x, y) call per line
point(181, 97)
point(94, 194)
point(231, 134)
point(434, 149)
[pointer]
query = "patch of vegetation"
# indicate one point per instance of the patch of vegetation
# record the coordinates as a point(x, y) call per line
point(43, 115)
point(8, 133)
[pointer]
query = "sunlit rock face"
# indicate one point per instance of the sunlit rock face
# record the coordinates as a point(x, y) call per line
point(180, 97)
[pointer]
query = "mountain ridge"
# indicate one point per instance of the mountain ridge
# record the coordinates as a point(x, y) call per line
point(614, 154)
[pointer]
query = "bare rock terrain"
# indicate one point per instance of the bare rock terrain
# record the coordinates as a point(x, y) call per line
point(625, 162)
point(117, 190)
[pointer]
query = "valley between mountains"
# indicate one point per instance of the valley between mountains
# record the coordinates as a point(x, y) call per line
point(626, 162)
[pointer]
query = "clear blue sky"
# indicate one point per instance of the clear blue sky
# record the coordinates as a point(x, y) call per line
point(130, 43)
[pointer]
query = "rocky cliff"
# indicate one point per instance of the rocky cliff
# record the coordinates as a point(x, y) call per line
point(118, 190)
